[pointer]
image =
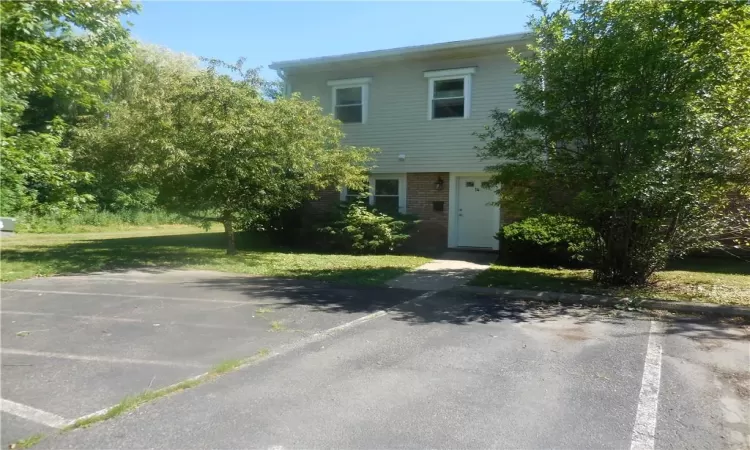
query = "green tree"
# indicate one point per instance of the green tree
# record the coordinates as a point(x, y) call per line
point(54, 58)
point(146, 86)
point(216, 147)
point(633, 118)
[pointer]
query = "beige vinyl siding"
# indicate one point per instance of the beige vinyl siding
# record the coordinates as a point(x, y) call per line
point(397, 118)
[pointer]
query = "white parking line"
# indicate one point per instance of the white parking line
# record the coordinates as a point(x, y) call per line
point(125, 320)
point(12, 351)
point(288, 348)
point(32, 414)
point(644, 430)
point(150, 297)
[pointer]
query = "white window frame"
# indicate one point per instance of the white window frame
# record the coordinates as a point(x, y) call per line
point(362, 83)
point(401, 177)
point(464, 74)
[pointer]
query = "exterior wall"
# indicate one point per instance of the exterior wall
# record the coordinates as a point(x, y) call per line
point(397, 118)
point(313, 210)
point(432, 231)
point(325, 201)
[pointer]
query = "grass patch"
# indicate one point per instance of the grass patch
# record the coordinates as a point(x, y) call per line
point(132, 402)
point(28, 442)
point(227, 366)
point(710, 280)
point(261, 311)
point(189, 247)
point(277, 326)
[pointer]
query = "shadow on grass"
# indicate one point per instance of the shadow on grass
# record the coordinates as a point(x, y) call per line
point(201, 250)
point(713, 264)
point(670, 284)
point(120, 253)
point(342, 296)
point(532, 278)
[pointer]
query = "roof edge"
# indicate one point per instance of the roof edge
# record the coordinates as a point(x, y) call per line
point(400, 51)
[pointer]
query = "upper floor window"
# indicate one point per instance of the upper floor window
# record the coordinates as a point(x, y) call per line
point(350, 98)
point(449, 93)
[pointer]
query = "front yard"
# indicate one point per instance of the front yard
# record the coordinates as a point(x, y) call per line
point(188, 247)
point(700, 279)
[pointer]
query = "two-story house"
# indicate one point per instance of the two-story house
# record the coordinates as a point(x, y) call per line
point(420, 106)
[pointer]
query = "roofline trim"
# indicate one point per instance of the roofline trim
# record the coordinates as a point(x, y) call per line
point(401, 51)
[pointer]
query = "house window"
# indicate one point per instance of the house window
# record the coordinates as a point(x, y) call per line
point(387, 193)
point(449, 93)
point(350, 99)
point(351, 195)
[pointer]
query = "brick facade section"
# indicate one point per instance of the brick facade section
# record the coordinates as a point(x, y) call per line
point(325, 201)
point(313, 210)
point(431, 233)
point(432, 230)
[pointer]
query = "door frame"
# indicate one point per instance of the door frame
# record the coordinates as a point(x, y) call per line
point(453, 208)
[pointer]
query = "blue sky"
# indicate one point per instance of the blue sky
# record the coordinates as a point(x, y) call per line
point(264, 32)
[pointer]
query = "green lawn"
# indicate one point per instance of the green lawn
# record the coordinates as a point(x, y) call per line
point(699, 279)
point(188, 247)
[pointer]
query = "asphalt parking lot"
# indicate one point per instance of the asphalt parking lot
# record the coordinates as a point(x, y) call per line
point(74, 345)
point(442, 370)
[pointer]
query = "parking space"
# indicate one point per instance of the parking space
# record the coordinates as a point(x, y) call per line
point(460, 371)
point(444, 370)
point(74, 345)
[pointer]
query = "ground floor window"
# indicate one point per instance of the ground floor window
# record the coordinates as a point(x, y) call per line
point(387, 193)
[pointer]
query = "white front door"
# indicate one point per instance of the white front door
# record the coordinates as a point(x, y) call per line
point(476, 219)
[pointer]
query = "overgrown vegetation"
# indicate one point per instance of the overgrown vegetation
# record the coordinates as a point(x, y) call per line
point(28, 442)
point(92, 119)
point(546, 240)
point(95, 220)
point(132, 402)
point(633, 119)
point(57, 58)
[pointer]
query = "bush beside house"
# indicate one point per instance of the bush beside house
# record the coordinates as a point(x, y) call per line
point(546, 240)
point(340, 227)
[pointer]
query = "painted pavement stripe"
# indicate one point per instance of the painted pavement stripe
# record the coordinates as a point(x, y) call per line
point(644, 430)
point(32, 414)
point(125, 320)
point(11, 351)
point(150, 297)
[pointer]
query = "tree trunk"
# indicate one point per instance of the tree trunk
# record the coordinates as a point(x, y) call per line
point(625, 257)
point(229, 233)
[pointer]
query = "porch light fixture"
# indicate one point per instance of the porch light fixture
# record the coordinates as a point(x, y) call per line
point(439, 184)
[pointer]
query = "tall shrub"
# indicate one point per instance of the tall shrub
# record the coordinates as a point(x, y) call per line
point(633, 119)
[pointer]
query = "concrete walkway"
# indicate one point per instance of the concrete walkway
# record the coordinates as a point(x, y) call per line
point(452, 269)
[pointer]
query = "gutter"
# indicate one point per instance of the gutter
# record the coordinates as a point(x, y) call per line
point(401, 51)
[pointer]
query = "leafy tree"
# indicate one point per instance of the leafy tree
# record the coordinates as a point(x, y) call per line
point(216, 147)
point(634, 119)
point(151, 79)
point(54, 58)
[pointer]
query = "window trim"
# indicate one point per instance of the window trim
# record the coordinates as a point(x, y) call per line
point(401, 177)
point(464, 74)
point(362, 83)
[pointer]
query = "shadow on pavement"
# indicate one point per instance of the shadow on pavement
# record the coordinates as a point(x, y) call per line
point(453, 307)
